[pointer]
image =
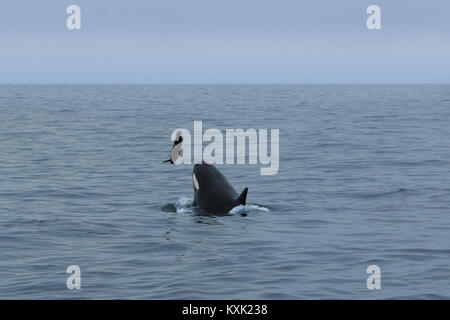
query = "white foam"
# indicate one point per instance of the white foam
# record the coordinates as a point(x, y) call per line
point(248, 208)
point(184, 205)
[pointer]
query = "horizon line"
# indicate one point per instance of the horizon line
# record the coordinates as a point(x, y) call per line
point(223, 83)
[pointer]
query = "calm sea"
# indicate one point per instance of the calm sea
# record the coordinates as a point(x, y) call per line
point(364, 179)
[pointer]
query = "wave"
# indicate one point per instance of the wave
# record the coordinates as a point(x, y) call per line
point(383, 194)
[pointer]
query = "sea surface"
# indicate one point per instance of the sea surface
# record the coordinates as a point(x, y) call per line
point(364, 179)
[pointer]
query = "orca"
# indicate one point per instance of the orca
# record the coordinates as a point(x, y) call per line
point(176, 149)
point(212, 191)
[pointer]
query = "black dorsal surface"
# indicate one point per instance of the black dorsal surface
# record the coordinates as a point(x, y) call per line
point(212, 191)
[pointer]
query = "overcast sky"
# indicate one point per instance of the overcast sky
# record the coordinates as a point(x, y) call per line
point(224, 41)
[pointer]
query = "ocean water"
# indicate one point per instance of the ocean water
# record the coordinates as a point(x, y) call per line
point(364, 179)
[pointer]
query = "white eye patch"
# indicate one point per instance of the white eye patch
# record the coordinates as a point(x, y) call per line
point(196, 186)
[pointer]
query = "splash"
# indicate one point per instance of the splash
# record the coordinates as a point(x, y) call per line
point(248, 208)
point(184, 205)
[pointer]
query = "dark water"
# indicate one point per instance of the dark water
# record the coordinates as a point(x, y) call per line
point(364, 179)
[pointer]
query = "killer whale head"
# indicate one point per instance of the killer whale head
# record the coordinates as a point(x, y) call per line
point(212, 191)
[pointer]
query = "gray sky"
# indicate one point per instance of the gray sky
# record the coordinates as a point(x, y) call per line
point(227, 41)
